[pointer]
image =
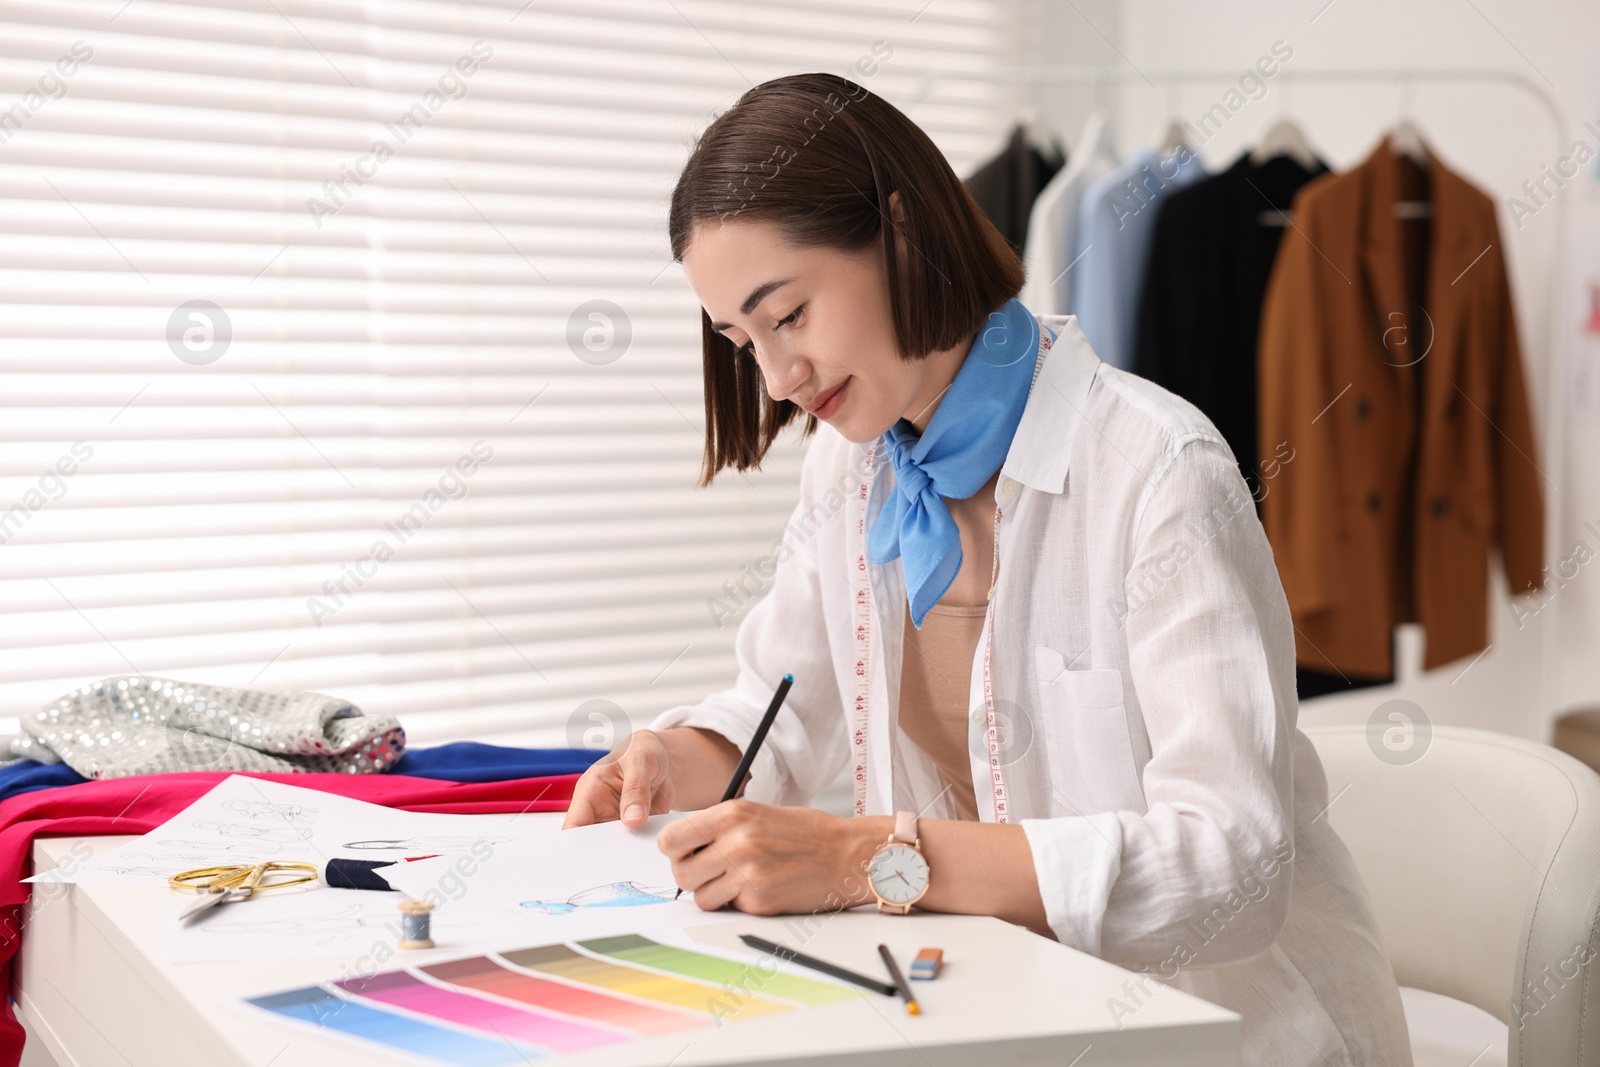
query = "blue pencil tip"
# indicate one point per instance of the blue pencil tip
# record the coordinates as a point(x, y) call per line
point(788, 677)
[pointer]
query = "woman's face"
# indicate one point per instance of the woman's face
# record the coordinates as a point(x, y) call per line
point(817, 321)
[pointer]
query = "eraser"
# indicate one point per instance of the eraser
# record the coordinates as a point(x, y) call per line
point(926, 966)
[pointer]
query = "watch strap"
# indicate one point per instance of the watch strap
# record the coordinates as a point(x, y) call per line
point(905, 827)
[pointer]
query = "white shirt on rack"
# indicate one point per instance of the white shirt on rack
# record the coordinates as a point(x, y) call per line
point(1141, 658)
point(1053, 220)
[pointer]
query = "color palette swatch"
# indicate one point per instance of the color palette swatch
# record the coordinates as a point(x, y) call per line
point(560, 961)
point(402, 990)
point(528, 1003)
point(322, 1009)
point(486, 975)
point(718, 970)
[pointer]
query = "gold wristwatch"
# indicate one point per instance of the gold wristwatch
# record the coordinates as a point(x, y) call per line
point(898, 872)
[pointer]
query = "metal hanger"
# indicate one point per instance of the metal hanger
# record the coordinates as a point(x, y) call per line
point(1037, 135)
point(1172, 135)
point(1406, 140)
point(1284, 138)
point(1097, 139)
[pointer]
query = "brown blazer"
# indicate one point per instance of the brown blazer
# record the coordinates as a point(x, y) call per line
point(1411, 449)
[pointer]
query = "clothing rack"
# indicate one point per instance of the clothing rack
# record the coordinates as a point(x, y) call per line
point(1403, 78)
point(1104, 77)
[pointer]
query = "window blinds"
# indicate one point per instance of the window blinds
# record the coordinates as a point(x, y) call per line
point(342, 350)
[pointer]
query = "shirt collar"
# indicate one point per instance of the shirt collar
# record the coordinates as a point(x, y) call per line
point(1043, 442)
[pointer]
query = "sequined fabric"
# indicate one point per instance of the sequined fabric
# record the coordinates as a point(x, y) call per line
point(139, 725)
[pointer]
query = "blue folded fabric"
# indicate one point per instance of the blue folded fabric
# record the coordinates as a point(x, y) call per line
point(460, 761)
point(26, 775)
point(473, 761)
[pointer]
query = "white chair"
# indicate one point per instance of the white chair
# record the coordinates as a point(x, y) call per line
point(1482, 859)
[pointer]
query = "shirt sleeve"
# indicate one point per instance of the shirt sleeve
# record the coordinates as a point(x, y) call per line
point(785, 632)
point(1211, 654)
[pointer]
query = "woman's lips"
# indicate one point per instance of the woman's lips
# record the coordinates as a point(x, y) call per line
point(831, 401)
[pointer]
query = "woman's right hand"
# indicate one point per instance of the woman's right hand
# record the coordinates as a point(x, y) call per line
point(631, 782)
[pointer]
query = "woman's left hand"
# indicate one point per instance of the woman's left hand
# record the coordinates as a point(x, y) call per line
point(769, 859)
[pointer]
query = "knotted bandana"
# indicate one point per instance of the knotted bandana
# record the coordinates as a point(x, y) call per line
point(965, 443)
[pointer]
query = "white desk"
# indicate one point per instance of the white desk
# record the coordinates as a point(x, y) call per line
point(95, 988)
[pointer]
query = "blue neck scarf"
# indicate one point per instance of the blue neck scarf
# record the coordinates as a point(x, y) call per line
point(965, 443)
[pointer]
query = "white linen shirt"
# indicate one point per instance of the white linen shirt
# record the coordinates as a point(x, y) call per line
point(1053, 221)
point(1141, 659)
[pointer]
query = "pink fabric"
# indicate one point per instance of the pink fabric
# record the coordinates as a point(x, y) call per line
point(139, 804)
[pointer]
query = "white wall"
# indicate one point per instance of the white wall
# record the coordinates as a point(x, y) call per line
point(1495, 134)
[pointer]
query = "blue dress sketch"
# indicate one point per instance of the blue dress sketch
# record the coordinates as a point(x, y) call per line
point(614, 895)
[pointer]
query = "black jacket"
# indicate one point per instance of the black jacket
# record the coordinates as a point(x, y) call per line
point(1200, 306)
point(1007, 185)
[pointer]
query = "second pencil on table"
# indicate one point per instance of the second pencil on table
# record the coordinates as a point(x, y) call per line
point(912, 1007)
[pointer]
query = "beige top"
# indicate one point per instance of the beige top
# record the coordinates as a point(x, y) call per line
point(935, 680)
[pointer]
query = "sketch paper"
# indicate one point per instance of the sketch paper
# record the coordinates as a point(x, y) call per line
point(248, 820)
point(550, 885)
point(585, 882)
point(316, 921)
point(494, 878)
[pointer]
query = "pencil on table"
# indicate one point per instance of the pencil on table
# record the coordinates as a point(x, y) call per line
point(912, 1007)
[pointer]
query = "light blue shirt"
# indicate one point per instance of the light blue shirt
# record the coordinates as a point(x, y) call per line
point(1116, 220)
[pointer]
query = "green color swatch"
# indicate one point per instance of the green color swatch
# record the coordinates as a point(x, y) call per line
point(756, 978)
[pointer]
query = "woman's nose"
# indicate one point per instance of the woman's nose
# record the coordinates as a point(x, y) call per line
point(784, 373)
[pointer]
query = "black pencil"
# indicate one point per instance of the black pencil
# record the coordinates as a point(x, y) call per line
point(759, 736)
point(818, 965)
point(912, 1007)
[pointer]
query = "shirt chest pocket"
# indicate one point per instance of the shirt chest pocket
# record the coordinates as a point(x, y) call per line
point(1092, 761)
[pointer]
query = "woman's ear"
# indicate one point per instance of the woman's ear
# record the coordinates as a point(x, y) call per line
point(902, 247)
point(897, 214)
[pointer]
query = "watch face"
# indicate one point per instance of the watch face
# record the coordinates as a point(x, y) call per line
point(899, 874)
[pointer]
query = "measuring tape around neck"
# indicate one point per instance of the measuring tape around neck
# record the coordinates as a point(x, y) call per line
point(861, 590)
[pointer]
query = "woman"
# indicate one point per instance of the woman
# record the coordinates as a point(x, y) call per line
point(1119, 766)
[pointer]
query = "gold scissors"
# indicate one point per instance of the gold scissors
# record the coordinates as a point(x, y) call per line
point(238, 881)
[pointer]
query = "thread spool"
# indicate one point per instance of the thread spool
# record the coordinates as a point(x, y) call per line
point(414, 924)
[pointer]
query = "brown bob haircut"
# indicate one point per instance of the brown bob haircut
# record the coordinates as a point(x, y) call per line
point(819, 156)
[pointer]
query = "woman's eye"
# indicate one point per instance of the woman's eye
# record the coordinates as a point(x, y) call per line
point(749, 347)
